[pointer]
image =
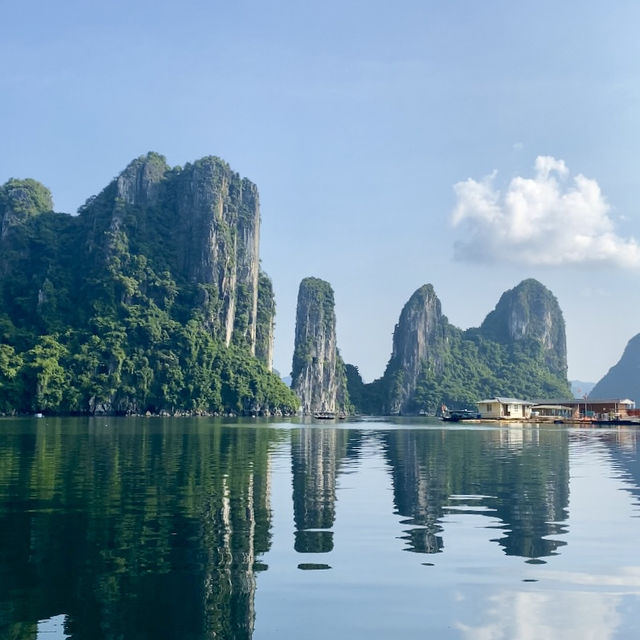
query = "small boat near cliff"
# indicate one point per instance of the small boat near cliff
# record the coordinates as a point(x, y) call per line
point(459, 415)
point(324, 415)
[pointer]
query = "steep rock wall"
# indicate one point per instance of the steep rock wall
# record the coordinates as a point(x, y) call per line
point(265, 321)
point(205, 221)
point(317, 372)
point(419, 341)
point(218, 219)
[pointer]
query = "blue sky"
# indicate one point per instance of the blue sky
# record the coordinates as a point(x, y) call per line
point(365, 125)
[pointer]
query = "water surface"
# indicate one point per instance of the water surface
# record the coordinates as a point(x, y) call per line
point(199, 528)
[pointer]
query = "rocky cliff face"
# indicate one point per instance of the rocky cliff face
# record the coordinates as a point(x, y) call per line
point(530, 311)
point(520, 350)
point(218, 220)
point(125, 202)
point(623, 379)
point(266, 313)
point(139, 184)
point(318, 372)
point(419, 341)
point(206, 220)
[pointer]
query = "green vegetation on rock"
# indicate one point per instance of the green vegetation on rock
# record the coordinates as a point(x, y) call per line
point(145, 301)
point(519, 351)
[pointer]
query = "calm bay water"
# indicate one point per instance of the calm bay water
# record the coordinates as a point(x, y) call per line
point(196, 528)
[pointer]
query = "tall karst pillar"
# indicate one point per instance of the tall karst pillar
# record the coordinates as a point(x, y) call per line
point(317, 374)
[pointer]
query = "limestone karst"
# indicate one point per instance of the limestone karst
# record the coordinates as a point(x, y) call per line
point(151, 299)
point(317, 372)
point(518, 351)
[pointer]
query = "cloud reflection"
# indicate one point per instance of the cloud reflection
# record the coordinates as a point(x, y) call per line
point(527, 615)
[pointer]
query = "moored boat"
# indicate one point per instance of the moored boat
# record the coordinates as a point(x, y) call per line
point(458, 415)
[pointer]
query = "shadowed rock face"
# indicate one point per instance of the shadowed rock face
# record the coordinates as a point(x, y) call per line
point(623, 379)
point(139, 184)
point(317, 371)
point(419, 339)
point(266, 312)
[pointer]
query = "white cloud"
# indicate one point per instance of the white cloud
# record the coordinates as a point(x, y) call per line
point(550, 219)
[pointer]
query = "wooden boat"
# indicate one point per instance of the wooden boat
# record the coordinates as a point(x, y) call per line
point(324, 415)
point(458, 415)
point(618, 421)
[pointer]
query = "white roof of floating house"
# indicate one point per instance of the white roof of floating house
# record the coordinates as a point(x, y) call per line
point(551, 406)
point(505, 401)
point(581, 401)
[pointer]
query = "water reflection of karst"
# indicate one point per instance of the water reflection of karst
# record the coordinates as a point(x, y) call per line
point(315, 457)
point(154, 535)
point(519, 475)
point(623, 448)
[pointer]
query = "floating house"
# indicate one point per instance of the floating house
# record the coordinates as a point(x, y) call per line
point(504, 409)
point(552, 411)
point(589, 409)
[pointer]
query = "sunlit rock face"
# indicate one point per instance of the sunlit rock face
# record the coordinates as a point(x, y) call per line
point(208, 219)
point(530, 311)
point(218, 224)
point(318, 371)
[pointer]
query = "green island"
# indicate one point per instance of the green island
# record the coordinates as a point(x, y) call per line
point(150, 300)
point(518, 351)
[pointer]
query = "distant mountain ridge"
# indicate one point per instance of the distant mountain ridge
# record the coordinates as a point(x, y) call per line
point(623, 379)
point(580, 388)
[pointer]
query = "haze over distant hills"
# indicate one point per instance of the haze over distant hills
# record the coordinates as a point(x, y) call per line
point(623, 379)
point(579, 388)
